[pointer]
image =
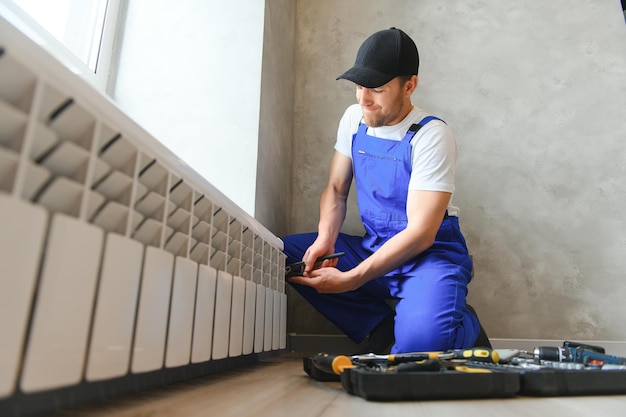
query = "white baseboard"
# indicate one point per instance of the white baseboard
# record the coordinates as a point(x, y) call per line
point(612, 347)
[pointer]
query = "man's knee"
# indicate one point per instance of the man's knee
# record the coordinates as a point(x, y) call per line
point(424, 336)
point(429, 332)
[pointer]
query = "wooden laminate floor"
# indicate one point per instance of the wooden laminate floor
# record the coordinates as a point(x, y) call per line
point(279, 387)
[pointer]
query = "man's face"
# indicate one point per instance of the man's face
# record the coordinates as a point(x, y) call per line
point(388, 104)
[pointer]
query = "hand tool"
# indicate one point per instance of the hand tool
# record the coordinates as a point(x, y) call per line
point(476, 354)
point(579, 354)
point(419, 366)
point(433, 365)
point(471, 369)
point(438, 365)
point(293, 269)
point(569, 344)
point(333, 364)
point(371, 358)
point(506, 355)
point(458, 360)
point(406, 361)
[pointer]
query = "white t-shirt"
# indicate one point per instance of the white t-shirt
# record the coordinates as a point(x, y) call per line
point(434, 153)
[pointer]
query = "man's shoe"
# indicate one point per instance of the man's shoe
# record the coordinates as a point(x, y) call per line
point(381, 338)
point(482, 340)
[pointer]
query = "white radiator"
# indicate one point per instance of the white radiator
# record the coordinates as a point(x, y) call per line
point(116, 259)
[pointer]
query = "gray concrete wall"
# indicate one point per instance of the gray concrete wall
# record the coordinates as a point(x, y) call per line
point(275, 148)
point(535, 92)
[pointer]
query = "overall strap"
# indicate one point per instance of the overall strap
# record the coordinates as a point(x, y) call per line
point(416, 127)
point(362, 128)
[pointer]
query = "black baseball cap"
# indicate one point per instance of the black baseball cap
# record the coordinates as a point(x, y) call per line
point(382, 57)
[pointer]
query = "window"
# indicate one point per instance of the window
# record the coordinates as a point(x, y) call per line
point(84, 27)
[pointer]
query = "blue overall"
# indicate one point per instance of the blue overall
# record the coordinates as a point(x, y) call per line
point(430, 289)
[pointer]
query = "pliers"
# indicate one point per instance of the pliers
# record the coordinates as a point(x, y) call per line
point(294, 269)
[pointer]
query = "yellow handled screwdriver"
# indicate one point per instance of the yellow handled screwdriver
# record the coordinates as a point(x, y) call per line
point(332, 364)
point(475, 354)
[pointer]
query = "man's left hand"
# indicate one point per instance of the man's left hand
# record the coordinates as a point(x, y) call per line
point(327, 280)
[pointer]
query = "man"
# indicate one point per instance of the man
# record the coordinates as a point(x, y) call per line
point(403, 163)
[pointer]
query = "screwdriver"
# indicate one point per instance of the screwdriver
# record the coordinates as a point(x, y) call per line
point(333, 364)
point(476, 354)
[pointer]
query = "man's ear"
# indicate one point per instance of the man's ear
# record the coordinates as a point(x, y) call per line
point(411, 85)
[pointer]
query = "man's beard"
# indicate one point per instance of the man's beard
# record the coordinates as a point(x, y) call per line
point(381, 119)
point(377, 121)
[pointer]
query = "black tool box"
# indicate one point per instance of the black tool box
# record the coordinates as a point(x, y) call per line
point(558, 382)
point(495, 381)
point(375, 385)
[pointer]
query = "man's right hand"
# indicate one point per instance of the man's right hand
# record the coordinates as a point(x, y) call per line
point(318, 249)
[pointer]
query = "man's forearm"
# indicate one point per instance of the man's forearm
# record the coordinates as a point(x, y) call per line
point(332, 214)
point(425, 211)
point(398, 250)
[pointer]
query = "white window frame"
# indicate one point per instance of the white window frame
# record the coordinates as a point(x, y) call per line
point(100, 78)
point(112, 21)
